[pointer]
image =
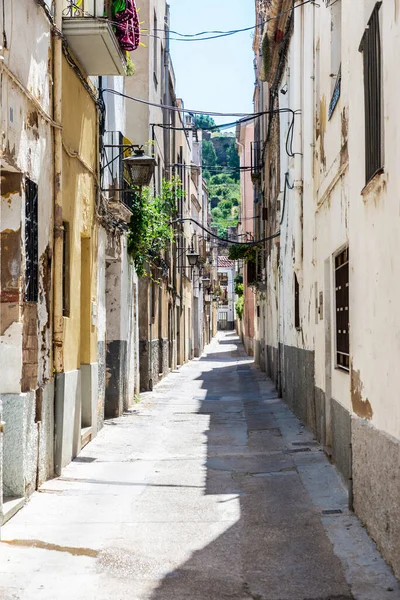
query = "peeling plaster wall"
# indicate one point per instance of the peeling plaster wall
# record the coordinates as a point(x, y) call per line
point(26, 381)
point(374, 219)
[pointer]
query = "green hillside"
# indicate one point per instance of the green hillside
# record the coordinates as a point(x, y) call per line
point(221, 171)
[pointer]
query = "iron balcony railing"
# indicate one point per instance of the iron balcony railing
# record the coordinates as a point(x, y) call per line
point(89, 8)
point(114, 176)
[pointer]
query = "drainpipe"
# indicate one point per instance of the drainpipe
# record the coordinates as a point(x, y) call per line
point(298, 143)
point(58, 324)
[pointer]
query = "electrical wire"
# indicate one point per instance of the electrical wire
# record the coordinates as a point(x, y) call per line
point(191, 37)
point(197, 112)
point(226, 240)
point(198, 37)
point(287, 186)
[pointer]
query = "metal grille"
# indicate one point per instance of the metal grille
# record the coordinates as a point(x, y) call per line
point(371, 48)
point(88, 8)
point(31, 241)
point(342, 310)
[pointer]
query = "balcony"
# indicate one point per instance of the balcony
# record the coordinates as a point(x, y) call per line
point(114, 179)
point(90, 32)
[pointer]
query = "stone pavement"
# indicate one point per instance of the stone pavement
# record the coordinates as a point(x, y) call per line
point(209, 488)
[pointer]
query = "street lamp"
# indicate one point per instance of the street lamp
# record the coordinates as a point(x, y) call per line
point(192, 257)
point(140, 167)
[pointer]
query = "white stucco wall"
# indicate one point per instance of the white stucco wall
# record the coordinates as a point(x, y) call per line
point(374, 222)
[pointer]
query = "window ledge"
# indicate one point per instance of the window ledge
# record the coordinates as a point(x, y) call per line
point(374, 185)
point(342, 369)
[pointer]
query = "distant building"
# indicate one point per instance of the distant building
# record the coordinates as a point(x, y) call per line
point(226, 308)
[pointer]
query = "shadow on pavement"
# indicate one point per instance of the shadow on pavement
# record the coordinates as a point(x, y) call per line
point(276, 549)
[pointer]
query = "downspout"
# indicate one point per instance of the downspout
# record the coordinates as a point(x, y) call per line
point(298, 144)
point(58, 323)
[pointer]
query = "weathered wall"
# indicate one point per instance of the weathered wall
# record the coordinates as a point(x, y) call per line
point(25, 328)
point(77, 387)
point(80, 126)
point(374, 221)
point(376, 476)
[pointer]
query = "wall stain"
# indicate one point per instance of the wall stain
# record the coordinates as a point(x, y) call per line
point(32, 122)
point(344, 152)
point(322, 129)
point(10, 184)
point(361, 407)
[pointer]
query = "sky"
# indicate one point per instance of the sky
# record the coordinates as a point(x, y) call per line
point(214, 75)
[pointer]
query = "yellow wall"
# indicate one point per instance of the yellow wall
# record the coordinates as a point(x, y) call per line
point(80, 131)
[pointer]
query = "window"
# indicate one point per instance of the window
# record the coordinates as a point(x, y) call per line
point(251, 272)
point(155, 50)
point(336, 54)
point(371, 49)
point(31, 241)
point(342, 310)
point(66, 274)
point(296, 302)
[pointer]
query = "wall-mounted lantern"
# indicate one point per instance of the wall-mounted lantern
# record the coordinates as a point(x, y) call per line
point(140, 167)
point(192, 256)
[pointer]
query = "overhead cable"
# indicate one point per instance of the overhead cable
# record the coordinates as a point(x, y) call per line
point(197, 112)
point(226, 240)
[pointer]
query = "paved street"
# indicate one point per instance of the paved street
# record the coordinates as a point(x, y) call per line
point(209, 488)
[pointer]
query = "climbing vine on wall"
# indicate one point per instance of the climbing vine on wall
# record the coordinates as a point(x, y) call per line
point(239, 306)
point(150, 232)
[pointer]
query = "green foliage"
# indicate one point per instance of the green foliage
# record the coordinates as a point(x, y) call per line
point(239, 289)
point(130, 67)
point(150, 232)
point(204, 121)
point(227, 191)
point(221, 178)
point(239, 305)
point(243, 252)
point(238, 278)
point(209, 154)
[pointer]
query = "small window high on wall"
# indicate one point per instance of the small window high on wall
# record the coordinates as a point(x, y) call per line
point(296, 302)
point(335, 7)
point(31, 241)
point(342, 310)
point(371, 48)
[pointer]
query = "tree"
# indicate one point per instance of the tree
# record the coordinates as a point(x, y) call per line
point(209, 154)
point(204, 122)
point(234, 161)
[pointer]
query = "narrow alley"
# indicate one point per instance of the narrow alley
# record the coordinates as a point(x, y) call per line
point(209, 488)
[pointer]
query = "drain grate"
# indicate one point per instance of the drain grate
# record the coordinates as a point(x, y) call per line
point(332, 511)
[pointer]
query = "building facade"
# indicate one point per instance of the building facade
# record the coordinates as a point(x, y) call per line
point(26, 234)
point(325, 180)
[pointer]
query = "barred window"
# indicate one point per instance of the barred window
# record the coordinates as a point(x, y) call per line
point(31, 241)
point(371, 48)
point(342, 310)
point(296, 302)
